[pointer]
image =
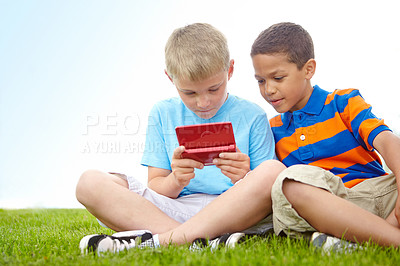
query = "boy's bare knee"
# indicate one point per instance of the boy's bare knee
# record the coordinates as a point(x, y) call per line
point(264, 176)
point(275, 167)
point(269, 170)
point(87, 178)
point(85, 183)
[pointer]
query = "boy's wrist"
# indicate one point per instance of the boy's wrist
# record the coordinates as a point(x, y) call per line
point(243, 177)
point(165, 185)
point(247, 174)
point(174, 187)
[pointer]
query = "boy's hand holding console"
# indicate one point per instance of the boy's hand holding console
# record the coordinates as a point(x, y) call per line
point(208, 144)
point(204, 142)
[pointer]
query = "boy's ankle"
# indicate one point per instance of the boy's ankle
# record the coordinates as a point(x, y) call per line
point(156, 241)
point(164, 239)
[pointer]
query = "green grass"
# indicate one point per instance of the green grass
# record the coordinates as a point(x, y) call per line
point(51, 237)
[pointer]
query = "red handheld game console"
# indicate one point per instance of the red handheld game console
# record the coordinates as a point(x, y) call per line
point(204, 142)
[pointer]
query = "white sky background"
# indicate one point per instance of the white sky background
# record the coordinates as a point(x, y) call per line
point(78, 78)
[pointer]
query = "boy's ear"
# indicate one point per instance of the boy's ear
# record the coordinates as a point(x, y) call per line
point(166, 73)
point(309, 68)
point(231, 68)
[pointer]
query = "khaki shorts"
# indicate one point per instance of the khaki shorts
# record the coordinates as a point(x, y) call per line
point(376, 195)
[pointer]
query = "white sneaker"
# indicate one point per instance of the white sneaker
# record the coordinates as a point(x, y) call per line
point(330, 244)
point(117, 242)
point(234, 239)
point(227, 240)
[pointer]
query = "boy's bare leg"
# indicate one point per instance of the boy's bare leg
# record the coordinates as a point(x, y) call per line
point(333, 215)
point(242, 206)
point(108, 198)
point(393, 220)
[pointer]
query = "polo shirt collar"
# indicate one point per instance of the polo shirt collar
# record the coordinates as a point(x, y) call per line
point(314, 105)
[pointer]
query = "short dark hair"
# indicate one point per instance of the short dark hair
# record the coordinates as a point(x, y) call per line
point(285, 38)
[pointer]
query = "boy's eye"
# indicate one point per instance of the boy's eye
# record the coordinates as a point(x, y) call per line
point(278, 78)
point(214, 90)
point(260, 81)
point(189, 93)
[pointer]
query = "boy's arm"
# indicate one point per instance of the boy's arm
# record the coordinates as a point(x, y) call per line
point(170, 183)
point(160, 181)
point(388, 145)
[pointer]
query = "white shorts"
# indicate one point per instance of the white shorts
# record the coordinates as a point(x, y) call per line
point(180, 209)
point(183, 208)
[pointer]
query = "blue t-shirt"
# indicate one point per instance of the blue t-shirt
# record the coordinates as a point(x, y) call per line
point(253, 136)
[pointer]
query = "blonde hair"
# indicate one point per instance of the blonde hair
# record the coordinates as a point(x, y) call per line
point(196, 52)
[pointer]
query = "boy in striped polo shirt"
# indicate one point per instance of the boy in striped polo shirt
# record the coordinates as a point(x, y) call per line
point(335, 182)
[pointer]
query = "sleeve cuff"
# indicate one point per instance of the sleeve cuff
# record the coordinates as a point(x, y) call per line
point(375, 133)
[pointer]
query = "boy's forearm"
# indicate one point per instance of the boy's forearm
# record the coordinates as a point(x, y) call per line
point(388, 145)
point(165, 185)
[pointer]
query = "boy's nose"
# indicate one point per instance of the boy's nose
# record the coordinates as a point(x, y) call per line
point(203, 101)
point(269, 89)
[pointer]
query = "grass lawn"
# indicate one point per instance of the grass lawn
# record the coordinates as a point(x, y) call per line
point(51, 236)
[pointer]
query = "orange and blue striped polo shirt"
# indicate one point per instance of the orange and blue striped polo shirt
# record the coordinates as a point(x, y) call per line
point(334, 131)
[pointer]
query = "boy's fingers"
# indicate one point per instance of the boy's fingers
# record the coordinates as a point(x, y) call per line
point(183, 179)
point(219, 161)
point(227, 155)
point(233, 169)
point(234, 165)
point(187, 164)
point(228, 168)
point(192, 163)
point(186, 176)
point(234, 177)
point(236, 156)
point(178, 152)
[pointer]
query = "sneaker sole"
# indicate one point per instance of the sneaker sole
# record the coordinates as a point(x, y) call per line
point(84, 243)
point(234, 239)
point(131, 233)
point(318, 239)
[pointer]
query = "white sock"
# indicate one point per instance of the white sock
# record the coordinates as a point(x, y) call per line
point(156, 241)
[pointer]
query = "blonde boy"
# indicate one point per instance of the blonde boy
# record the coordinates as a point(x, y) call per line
point(184, 199)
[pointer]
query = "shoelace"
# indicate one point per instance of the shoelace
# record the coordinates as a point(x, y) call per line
point(213, 244)
point(345, 246)
point(120, 245)
point(201, 244)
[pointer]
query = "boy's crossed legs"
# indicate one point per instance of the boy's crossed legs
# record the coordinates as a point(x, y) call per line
point(108, 198)
point(330, 208)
